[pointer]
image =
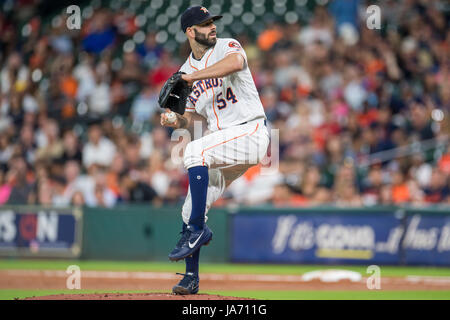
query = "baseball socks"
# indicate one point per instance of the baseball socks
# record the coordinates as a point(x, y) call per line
point(198, 182)
point(192, 262)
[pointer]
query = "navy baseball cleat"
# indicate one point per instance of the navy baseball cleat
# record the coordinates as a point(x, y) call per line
point(183, 239)
point(187, 285)
point(190, 241)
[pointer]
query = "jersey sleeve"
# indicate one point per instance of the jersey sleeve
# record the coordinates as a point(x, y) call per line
point(190, 106)
point(230, 46)
point(190, 103)
point(184, 68)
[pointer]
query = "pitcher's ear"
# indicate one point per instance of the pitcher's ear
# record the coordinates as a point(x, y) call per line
point(190, 32)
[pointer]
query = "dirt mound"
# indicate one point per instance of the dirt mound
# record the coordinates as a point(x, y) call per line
point(134, 296)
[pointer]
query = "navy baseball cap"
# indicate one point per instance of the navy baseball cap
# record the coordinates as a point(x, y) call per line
point(196, 15)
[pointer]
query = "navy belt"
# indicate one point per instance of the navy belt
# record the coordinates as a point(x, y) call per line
point(240, 124)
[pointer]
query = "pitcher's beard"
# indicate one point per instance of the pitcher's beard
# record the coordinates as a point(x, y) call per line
point(201, 38)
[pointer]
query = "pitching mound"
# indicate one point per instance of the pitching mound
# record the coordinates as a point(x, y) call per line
point(134, 296)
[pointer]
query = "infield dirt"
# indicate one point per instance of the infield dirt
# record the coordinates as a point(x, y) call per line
point(163, 282)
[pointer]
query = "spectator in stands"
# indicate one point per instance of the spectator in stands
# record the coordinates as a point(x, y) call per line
point(45, 193)
point(99, 99)
point(85, 75)
point(101, 195)
point(165, 68)
point(135, 191)
point(400, 190)
point(53, 148)
point(131, 75)
point(269, 37)
point(6, 149)
point(145, 105)
point(77, 199)
point(100, 33)
point(22, 190)
point(150, 51)
point(116, 169)
point(99, 149)
point(71, 147)
point(385, 195)
point(318, 31)
point(344, 186)
point(75, 181)
point(437, 189)
point(420, 170)
point(5, 186)
point(444, 162)
point(285, 196)
point(172, 195)
point(311, 182)
point(158, 177)
point(371, 186)
point(419, 122)
point(27, 144)
point(58, 186)
point(14, 75)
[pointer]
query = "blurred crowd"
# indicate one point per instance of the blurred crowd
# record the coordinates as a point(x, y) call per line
point(79, 118)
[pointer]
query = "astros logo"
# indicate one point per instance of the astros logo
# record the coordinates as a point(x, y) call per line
point(204, 9)
point(233, 44)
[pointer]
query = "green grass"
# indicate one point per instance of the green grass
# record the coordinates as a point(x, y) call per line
point(209, 267)
point(264, 295)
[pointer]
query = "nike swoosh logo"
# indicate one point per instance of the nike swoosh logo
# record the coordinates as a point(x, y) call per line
point(191, 245)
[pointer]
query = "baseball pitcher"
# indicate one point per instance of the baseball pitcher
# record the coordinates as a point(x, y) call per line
point(214, 82)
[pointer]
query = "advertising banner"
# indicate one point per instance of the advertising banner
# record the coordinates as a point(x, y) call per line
point(427, 240)
point(340, 238)
point(40, 232)
point(316, 238)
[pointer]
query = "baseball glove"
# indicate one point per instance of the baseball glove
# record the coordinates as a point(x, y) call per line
point(174, 93)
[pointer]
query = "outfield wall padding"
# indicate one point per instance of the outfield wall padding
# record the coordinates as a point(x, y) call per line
point(322, 235)
point(144, 233)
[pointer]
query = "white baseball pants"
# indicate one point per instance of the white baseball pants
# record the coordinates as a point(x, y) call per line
point(228, 154)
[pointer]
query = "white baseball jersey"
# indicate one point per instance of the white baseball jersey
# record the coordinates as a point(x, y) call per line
point(228, 101)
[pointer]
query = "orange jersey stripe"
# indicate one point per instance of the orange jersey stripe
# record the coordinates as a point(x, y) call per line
point(214, 96)
point(257, 125)
point(191, 63)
